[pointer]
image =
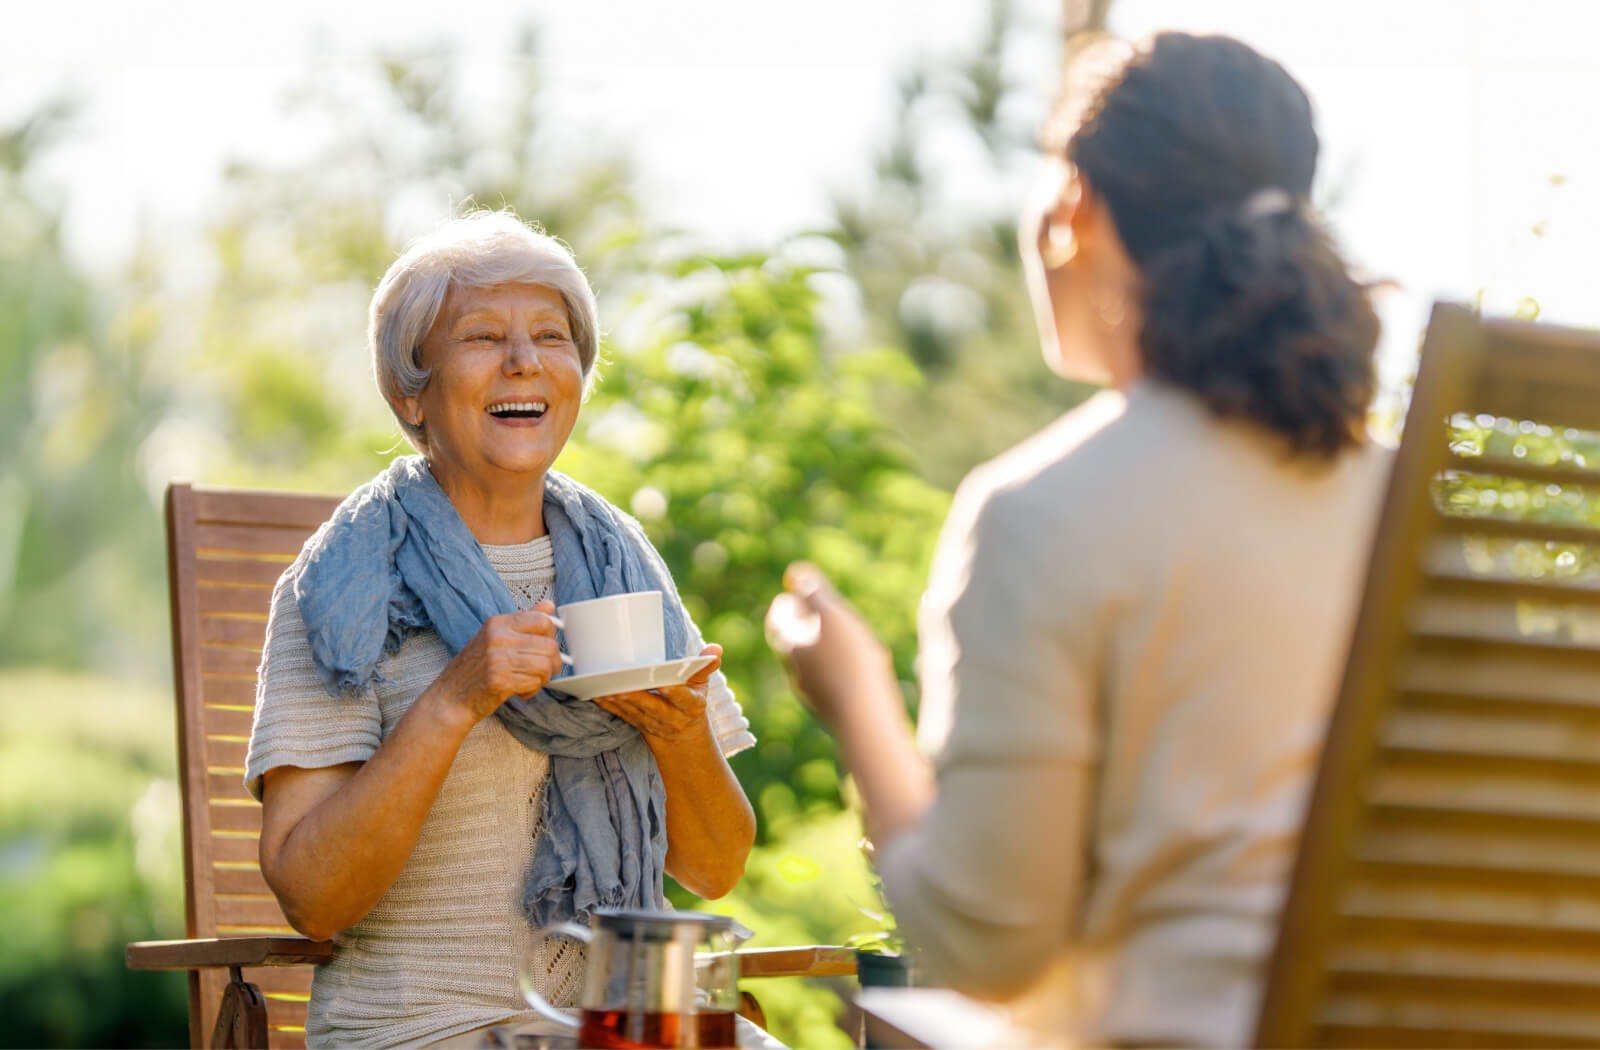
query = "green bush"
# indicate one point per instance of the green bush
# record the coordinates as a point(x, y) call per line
point(89, 860)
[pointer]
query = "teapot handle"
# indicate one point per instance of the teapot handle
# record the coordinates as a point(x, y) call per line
point(540, 1004)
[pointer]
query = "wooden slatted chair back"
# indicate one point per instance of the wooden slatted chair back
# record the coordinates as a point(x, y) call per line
point(1447, 891)
point(226, 549)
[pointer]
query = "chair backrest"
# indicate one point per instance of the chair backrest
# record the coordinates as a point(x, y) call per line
point(225, 550)
point(1447, 891)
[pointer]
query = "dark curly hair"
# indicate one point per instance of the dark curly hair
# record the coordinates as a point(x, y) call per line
point(1246, 302)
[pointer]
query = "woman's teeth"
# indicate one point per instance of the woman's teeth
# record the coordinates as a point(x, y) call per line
point(519, 409)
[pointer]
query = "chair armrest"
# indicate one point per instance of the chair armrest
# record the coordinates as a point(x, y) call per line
point(814, 960)
point(206, 952)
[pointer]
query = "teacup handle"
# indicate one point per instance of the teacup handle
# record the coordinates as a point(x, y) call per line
point(540, 1004)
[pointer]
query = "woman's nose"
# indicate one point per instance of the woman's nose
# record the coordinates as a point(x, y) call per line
point(522, 356)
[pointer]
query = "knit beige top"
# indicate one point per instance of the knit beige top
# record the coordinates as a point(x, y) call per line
point(440, 953)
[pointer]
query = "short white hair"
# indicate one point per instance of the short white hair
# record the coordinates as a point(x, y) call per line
point(476, 250)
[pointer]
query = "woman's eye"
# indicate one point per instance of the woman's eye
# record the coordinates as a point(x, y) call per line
point(553, 336)
point(482, 337)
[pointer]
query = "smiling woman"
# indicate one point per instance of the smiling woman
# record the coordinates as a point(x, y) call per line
point(426, 838)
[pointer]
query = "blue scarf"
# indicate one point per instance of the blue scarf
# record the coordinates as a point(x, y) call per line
point(396, 559)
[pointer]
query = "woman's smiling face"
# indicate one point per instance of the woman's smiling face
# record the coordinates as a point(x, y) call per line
point(504, 385)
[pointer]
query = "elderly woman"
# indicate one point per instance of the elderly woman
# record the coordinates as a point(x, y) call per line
point(400, 819)
point(1135, 621)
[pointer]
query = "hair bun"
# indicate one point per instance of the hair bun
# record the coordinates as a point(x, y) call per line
point(1257, 314)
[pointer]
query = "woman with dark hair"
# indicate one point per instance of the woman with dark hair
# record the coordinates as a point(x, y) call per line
point(1136, 619)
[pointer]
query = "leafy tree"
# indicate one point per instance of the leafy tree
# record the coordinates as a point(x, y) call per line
point(940, 275)
point(77, 396)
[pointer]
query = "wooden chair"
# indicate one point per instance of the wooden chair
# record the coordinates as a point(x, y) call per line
point(1447, 887)
point(249, 972)
point(1447, 891)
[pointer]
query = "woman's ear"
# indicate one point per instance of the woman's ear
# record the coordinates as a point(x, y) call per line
point(1079, 206)
point(1057, 237)
point(407, 408)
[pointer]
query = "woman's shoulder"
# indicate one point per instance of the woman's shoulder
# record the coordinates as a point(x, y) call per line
point(1102, 446)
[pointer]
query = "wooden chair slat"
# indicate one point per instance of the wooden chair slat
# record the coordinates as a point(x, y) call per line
point(241, 570)
point(1559, 407)
point(285, 1013)
point(1484, 821)
point(1374, 866)
point(227, 785)
point(226, 751)
point(246, 539)
point(1553, 935)
point(229, 817)
point(1491, 758)
point(1574, 593)
point(1507, 528)
point(1470, 847)
point(229, 660)
point(1388, 1037)
point(1423, 1009)
point(249, 632)
point(228, 721)
point(232, 690)
point(1522, 470)
point(249, 910)
point(236, 880)
point(1380, 982)
point(1464, 672)
point(1577, 713)
point(1495, 614)
point(1555, 796)
point(1456, 903)
point(299, 511)
point(237, 598)
point(236, 848)
point(1489, 647)
point(1495, 731)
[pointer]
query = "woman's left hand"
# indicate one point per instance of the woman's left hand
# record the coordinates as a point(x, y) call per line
point(671, 711)
point(837, 661)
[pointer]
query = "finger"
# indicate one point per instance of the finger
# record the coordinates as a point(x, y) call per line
point(543, 647)
point(804, 580)
point(626, 711)
point(642, 699)
point(541, 619)
point(703, 675)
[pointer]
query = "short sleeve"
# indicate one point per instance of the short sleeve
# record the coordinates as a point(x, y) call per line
point(297, 722)
point(728, 721)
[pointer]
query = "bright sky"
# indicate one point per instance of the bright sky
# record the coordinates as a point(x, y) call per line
point(1443, 121)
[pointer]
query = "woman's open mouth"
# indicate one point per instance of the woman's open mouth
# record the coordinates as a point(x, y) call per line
point(518, 410)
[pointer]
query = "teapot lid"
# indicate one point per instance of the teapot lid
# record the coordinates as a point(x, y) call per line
point(641, 924)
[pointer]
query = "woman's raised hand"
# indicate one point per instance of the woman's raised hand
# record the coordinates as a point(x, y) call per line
point(830, 650)
point(513, 654)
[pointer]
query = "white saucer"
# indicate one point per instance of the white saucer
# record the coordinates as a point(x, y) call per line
point(629, 679)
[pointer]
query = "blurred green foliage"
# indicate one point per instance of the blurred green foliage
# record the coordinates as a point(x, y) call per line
point(812, 401)
point(90, 859)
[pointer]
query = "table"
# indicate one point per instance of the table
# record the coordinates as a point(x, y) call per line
point(542, 1035)
point(935, 1017)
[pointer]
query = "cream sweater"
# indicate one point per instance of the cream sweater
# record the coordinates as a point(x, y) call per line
point(439, 954)
point(1132, 634)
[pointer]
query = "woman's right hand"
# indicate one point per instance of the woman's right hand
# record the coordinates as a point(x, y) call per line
point(513, 654)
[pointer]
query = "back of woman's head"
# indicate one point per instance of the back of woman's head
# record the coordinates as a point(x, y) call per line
point(1204, 151)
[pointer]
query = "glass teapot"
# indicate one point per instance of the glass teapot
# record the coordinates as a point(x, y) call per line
point(651, 979)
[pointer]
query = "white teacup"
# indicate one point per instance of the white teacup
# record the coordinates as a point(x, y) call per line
point(614, 633)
